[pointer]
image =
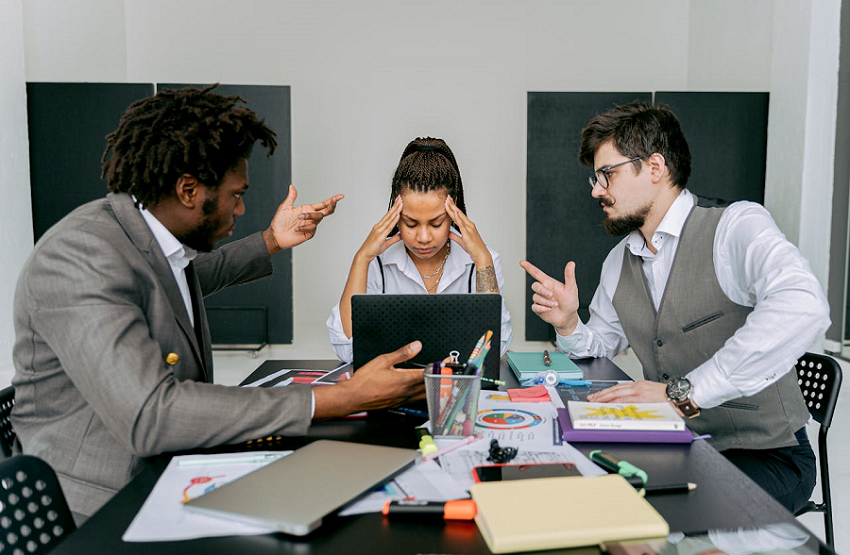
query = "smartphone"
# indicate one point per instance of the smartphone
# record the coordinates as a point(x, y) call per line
point(502, 472)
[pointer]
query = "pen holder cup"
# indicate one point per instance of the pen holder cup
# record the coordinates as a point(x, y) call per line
point(452, 403)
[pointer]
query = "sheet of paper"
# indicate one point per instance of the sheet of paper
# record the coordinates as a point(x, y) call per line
point(163, 518)
point(531, 427)
point(425, 481)
point(301, 375)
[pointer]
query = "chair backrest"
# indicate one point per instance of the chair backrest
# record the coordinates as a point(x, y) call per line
point(7, 433)
point(819, 378)
point(35, 515)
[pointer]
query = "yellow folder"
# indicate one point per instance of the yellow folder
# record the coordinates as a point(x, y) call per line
point(551, 513)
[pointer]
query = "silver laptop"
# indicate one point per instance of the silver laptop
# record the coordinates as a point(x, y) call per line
point(294, 493)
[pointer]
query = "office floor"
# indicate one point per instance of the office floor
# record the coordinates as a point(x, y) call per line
point(231, 367)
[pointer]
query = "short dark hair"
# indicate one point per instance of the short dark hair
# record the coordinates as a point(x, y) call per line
point(640, 129)
point(428, 164)
point(189, 130)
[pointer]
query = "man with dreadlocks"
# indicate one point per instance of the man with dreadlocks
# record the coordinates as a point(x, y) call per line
point(410, 249)
point(112, 353)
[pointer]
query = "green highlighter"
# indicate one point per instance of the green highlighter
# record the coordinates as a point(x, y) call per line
point(623, 468)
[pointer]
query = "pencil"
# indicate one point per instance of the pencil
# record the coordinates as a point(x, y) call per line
point(671, 488)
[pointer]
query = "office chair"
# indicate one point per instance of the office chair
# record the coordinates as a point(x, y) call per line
point(819, 378)
point(7, 434)
point(35, 516)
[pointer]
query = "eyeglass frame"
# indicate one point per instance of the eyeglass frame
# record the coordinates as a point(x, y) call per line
point(593, 180)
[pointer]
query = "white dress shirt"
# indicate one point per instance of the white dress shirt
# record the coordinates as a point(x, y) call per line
point(402, 277)
point(178, 255)
point(755, 266)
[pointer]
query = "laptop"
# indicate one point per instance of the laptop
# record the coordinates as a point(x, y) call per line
point(443, 323)
point(294, 493)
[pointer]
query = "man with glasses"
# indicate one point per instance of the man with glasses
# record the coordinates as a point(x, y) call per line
point(715, 302)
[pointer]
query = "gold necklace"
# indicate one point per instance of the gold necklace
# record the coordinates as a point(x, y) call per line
point(439, 271)
point(442, 264)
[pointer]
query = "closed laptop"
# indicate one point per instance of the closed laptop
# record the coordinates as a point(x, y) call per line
point(294, 493)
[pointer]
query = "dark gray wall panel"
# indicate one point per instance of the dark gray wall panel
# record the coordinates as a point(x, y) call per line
point(727, 134)
point(68, 124)
point(234, 312)
point(563, 222)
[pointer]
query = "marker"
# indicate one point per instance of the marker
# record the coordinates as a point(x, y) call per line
point(546, 360)
point(458, 509)
point(671, 488)
point(232, 460)
point(426, 442)
point(612, 464)
point(456, 445)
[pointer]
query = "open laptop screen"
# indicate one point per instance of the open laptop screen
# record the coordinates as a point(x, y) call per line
point(443, 323)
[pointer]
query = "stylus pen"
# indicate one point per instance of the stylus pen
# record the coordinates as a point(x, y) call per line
point(232, 460)
point(671, 488)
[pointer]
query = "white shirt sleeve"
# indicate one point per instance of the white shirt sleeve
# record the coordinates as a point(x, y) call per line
point(506, 331)
point(603, 335)
point(341, 343)
point(757, 266)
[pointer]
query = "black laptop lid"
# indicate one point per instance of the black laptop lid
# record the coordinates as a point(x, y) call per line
point(443, 323)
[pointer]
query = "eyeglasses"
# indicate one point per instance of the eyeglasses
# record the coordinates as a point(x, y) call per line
point(601, 175)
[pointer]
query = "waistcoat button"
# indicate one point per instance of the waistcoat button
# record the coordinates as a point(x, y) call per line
point(660, 343)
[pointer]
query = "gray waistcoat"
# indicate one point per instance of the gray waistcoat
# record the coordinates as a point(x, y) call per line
point(694, 320)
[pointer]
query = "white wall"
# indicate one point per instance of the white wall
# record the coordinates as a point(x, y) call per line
point(367, 77)
point(801, 126)
point(15, 209)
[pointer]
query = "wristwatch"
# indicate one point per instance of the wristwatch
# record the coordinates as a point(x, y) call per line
point(679, 391)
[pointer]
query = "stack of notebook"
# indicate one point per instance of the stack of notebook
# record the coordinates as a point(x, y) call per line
point(622, 423)
point(527, 365)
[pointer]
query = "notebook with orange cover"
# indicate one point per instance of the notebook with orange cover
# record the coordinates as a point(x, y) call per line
point(552, 513)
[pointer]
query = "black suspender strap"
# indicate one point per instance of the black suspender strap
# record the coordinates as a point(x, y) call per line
point(471, 271)
point(383, 281)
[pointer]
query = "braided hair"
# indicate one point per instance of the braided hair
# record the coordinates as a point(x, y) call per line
point(176, 132)
point(428, 165)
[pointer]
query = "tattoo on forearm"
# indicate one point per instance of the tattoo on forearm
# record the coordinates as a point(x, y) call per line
point(485, 280)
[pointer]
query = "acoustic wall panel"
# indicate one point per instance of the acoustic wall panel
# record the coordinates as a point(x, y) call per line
point(563, 222)
point(269, 179)
point(68, 124)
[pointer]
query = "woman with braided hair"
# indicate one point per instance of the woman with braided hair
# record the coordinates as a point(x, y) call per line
point(425, 243)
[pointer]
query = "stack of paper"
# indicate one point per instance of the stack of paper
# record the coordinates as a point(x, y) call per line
point(527, 365)
point(553, 513)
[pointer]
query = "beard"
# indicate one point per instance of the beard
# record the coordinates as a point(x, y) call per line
point(625, 224)
point(201, 237)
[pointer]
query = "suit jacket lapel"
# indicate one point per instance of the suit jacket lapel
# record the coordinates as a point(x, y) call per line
point(139, 232)
point(202, 327)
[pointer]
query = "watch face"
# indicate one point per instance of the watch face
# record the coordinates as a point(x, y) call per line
point(679, 389)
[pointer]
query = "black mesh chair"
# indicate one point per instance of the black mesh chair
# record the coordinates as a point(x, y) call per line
point(819, 377)
point(35, 516)
point(7, 434)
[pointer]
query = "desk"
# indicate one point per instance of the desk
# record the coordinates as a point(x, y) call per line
point(725, 498)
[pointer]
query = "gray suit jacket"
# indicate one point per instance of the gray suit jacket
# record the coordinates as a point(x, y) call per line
point(98, 322)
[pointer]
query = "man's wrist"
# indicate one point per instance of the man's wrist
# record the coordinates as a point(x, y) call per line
point(271, 242)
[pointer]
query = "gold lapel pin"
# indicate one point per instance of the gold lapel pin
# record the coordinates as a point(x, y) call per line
point(172, 358)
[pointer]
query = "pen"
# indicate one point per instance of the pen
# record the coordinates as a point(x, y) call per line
point(457, 509)
point(671, 488)
point(612, 464)
point(269, 457)
point(456, 445)
point(546, 360)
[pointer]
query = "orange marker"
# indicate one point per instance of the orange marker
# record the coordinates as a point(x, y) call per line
point(458, 509)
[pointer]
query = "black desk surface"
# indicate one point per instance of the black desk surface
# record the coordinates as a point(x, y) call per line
point(725, 498)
